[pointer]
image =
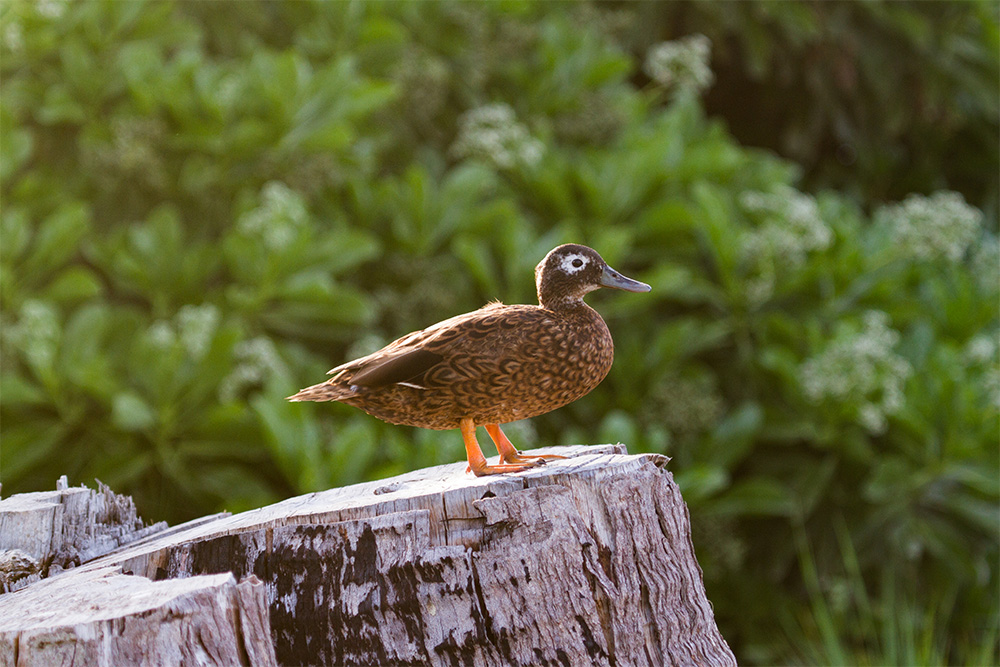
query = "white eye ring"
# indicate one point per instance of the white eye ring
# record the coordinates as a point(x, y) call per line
point(573, 263)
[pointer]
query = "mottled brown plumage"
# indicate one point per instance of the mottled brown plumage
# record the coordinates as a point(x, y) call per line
point(494, 365)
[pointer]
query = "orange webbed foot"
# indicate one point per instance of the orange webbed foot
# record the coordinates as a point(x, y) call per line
point(510, 454)
point(477, 462)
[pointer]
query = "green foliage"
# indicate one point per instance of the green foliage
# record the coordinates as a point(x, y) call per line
point(204, 210)
point(878, 98)
point(848, 626)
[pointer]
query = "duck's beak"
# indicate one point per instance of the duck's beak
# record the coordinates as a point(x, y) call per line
point(611, 278)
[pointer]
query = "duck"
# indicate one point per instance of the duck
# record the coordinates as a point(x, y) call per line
point(495, 365)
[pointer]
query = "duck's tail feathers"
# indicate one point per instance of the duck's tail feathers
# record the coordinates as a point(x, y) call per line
point(324, 391)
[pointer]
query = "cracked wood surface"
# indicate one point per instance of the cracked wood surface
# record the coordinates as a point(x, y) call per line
point(586, 560)
point(99, 616)
point(45, 532)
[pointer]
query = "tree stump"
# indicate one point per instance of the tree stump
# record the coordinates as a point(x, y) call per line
point(586, 560)
point(48, 531)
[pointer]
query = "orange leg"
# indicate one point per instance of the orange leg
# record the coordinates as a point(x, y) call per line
point(509, 453)
point(477, 462)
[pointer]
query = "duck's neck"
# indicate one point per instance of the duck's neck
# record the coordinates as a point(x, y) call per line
point(553, 296)
point(564, 304)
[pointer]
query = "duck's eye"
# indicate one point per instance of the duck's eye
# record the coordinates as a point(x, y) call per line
point(577, 263)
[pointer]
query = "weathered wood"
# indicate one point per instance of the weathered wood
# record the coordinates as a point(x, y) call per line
point(102, 618)
point(45, 532)
point(586, 560)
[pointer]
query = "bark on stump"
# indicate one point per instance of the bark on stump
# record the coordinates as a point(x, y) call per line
point(584, 561)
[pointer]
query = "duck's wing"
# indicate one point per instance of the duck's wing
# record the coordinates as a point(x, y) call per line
point(403, 366)
point(414, 357)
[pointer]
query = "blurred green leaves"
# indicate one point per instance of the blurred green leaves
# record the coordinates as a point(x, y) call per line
point(818, 74)
point(204, 210)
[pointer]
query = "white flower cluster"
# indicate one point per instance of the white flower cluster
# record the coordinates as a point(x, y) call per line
point(789, 226)
point(985, 262)
point(493, 133)
point(256, 360)
point(682, 63)
point(278, 219)
point(12, 37)
point(929, 227)
point(983, 351)
point(193, 327)
point(36, 333)
point(424, 81)
point(196, 326)
point(51, 9)
point(133, 151)
point(860, 370)
point(161, 335)
point(135, 144)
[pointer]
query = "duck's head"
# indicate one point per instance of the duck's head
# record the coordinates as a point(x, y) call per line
point(570, 271)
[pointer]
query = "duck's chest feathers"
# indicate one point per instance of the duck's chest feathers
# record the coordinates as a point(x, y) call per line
point(573, 355)
point(581, 339)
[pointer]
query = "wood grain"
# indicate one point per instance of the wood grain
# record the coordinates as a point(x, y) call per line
point(584, 561)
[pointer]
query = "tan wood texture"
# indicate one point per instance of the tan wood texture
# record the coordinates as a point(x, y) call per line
point(583, 561)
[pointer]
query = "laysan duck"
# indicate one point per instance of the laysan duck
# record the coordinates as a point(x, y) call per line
point(492, 366)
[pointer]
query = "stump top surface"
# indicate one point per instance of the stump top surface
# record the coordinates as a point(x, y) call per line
point(446, 491)
point(107, 595)
point(449, 481)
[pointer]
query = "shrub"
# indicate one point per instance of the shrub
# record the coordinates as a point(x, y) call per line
point(877, 99)
point(205, 210)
